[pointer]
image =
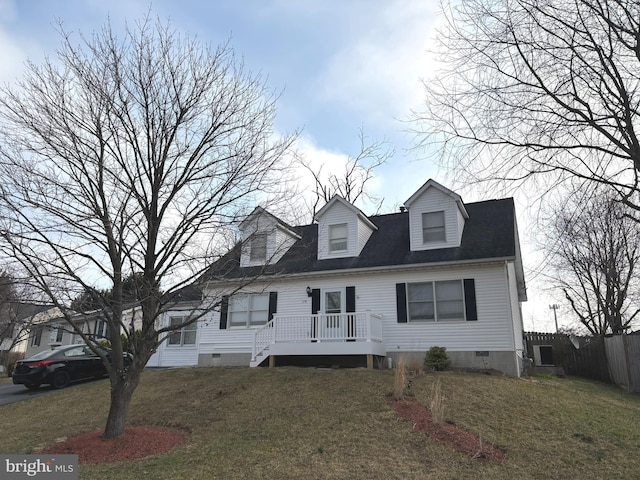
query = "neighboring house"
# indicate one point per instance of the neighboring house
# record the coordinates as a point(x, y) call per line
point(50, 329)
point(40, 329)
point(356, 289)
point(15, 325)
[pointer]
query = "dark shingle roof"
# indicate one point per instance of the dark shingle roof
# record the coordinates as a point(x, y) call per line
point(489, 232)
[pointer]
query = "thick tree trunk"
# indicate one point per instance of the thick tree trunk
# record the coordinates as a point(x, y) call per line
point(121, 393)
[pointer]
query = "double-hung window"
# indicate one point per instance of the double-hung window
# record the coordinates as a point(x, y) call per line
point(56, 335)
point(435, 301)
point(102, 329)
point(185, 335)
point(36, 337)
point(258, 247)
point(248, 310)
point(433, 227)
point(338, 237)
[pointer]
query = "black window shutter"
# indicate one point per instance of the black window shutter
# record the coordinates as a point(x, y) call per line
point(224, 309)
point(273, 304)
point(470, 299)
point(315, 301)
point(351, 299)
point(401, 302)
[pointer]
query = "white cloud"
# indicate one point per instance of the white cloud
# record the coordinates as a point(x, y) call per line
point(377, 71)
point(13, 57)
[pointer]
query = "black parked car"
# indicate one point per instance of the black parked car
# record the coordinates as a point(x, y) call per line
point(59, 367)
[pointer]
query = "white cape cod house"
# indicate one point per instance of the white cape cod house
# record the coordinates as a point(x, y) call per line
point(352, 289)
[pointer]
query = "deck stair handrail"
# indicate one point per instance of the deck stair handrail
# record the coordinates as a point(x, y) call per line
point(320, 327)
point(262, 338)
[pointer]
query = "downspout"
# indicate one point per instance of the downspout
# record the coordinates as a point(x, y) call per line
point(513, 332)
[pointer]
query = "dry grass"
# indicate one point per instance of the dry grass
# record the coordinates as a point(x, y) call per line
point(400, 378)
point(437, 403)
point(292, 423)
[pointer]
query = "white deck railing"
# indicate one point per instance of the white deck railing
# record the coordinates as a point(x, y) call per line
point(318, 328)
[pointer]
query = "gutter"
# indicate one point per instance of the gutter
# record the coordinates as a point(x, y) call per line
point(363, 270)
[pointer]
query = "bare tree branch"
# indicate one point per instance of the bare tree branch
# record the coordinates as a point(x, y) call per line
point(131, 156)
point(536, 89)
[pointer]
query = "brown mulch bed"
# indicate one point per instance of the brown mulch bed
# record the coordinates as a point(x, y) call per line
point(463, 441)
point(136, 443)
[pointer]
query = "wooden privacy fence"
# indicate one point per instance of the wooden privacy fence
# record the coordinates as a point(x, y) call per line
point(579, 356)
point(623, 352)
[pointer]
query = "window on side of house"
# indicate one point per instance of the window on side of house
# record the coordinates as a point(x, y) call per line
point(185, 335)
point(433, 227)
point(338, 237)
point(59, 334)
point(435, 301)
point(258, 247)
point(36, 337)
point(249, 310)
point(102, 329)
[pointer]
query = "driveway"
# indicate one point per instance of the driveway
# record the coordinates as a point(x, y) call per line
point(10, 393)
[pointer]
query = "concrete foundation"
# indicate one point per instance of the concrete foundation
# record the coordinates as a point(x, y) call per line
point(505, 362)
point(224, 359)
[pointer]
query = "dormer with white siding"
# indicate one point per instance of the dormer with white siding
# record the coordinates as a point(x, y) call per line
point(436, 217)
point(265, 238)
point(343, 230)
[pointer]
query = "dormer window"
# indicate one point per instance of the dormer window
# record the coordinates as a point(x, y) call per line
point(338, 237)
point(258, 247)
point(433, 227)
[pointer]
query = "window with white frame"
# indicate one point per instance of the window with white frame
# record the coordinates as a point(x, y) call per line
point(185, 335)
point(338, 237)
point(56, 335)
point(102, 329)
point(258, 247)
point(36, 337)
point(248, 310)
point(435, 301)
point(433, 227)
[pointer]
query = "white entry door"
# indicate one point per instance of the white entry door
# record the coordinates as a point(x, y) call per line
point(333, 324)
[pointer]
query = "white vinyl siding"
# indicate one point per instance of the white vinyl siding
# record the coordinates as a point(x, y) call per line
point(434, 203)
point(177, 356)
point(358, 232)
point(264, 241)
point(375, 292)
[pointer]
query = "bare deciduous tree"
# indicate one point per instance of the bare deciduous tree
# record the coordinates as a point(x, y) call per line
point(595, 251)
point(351, 181)
point(545, 89)
point(131, 155)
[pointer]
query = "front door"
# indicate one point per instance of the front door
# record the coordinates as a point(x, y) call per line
point(333, 325)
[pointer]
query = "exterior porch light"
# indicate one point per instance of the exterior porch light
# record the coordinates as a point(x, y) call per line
point(309, 291)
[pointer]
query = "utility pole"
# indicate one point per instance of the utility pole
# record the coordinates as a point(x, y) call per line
point(555, 307)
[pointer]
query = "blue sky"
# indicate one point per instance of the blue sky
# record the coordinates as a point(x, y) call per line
point(341, 66)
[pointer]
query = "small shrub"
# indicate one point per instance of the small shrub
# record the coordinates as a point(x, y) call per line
point(437, 359)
